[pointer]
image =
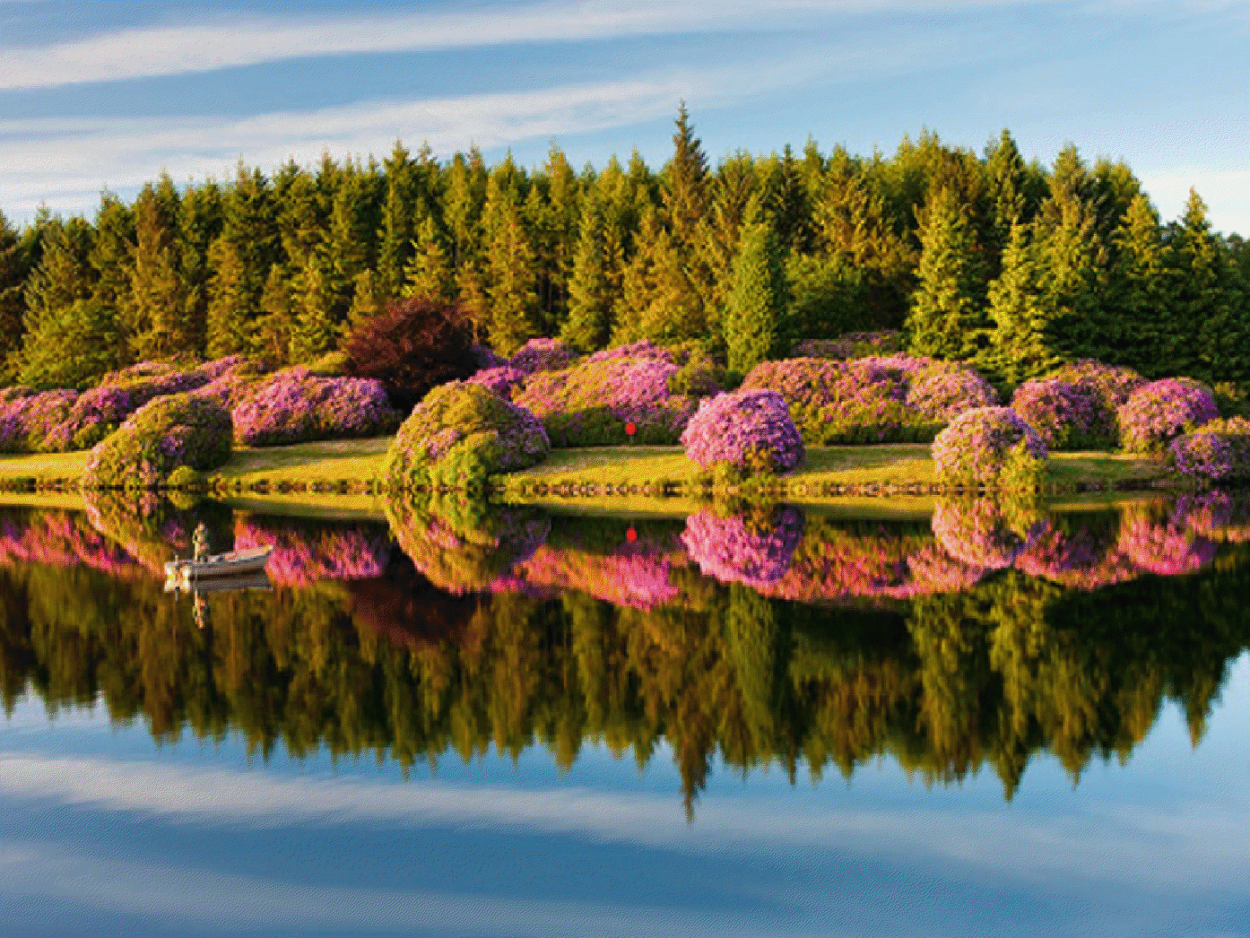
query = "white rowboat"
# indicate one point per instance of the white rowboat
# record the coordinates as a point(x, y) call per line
point(231, 563)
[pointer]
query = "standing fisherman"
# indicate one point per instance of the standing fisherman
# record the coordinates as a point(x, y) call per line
point(199, 542)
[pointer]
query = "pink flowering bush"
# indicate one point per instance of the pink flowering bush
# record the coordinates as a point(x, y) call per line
point(990, 446)
point(295, 405)
point(755, 552)
point(231, 380)
point(942, 391)
point(542, 355)
point(984, 532)
point(62, 539)
point(1217, 516)
point(304, 556)
point(591, 403)
point(1157, 413)
point(1113, 384)
point(643, 348)
point(1218, 451)
point(486, 358)
point(162, 436)
point(749, 430)
point(30, 420)
point(1086, 558)
point(851, 345)
point(503, 380)
point(636, 574)
point(98, 412)
point(1066, 416)
point(461, 434)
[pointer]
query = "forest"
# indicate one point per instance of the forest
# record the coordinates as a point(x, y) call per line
point(987, 258)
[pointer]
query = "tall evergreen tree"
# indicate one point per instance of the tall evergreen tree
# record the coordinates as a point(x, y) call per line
point(1019, 343)
point(513, 302)
point(14, 268)
point(200, 220)
point(754, 324)
point(277, 327)
point(1138, 292)
point(111, 256)
point(948, 314)
point(429, 272)
point(396, 233)
point(1203, 343)
point(155, 311)
point(591, 291)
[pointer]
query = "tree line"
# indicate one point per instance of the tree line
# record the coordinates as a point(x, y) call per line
point(981, 257)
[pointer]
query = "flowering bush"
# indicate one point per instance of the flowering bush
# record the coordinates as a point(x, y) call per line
point(485, 357)
point(1086, 558)
point(1218, 451)
point(643, 348)
point(231, 380)
point(1114, 384)
point(636, 574)
point(851, 345)
point(1065, 416)
point(990, 446)
point(742, 550)
point(984, 532)
point(303, 556)
point(699, 376)
point(542, 355)
point(591, 403)
point(461, 434)
point(163, 435)
point(1157, 413)
point(295, 405)
point(62, 539)
point(750, 430)
point(942, 391)
point(97, 412)
point(1217, 516)
point(503, 380)
point(30, 419)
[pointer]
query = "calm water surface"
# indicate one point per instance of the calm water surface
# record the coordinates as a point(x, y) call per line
point(457, 720)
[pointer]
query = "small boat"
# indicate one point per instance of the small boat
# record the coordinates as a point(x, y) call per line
point(231, 563)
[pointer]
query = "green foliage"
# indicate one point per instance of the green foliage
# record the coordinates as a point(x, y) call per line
point(753, 323)
point(947, 318)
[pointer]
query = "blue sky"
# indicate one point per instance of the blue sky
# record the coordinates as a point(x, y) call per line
point(96, 95)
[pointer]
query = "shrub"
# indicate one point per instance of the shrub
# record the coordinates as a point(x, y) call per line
point(1218, 451)
point(30, 419)
point(749, 430)
point(503, 380)
point(1157, 413)
point(99, 411)
point(169, 432)
point(700, 376)
point(643, 348)
point(542, 355)
point(852, 345)
point(990, 446)
point(417, 344)
point(1233, 399)
point(294, 406)
point(302, 556)
point(942, 391)
point(231, 380)
point(1114, 384)
point(1065, 416)
point(461, 434)
point(843, 402)
point(591, 403)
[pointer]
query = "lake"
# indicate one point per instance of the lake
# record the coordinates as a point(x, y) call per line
point(458, 719)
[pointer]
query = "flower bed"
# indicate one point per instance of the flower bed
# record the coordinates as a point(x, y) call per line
point(29, 419)
point(295, 406)
point(542, 355)
point(460, 434)
point(1157, 413)
point(162, 436)
point(503, 380)
point(1218, 451)
point(851, 345)
point(592, 403)
point(990, 446)
point(748, 430)
point(1066, 416)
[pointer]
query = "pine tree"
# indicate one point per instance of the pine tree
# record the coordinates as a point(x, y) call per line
point(368, 301)
point(1201, 334)
point(154, 311)
point(736, 202)
point(591, 293)
point(277, 327)
point(948, 318)
point(230, 318)
point(1138, 291)
point(1019, 347)
point(315, 328)
point(510, 284)
point(395, 236)
point(754, 316)
point(428, 272)
point(111, 256)
point(200, 221)
point(14, 268)
point(57, 353)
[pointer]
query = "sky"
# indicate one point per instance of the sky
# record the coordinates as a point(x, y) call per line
point(108, 95)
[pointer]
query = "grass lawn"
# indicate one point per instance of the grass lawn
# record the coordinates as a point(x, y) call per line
point(332, 462)
point(43, 468)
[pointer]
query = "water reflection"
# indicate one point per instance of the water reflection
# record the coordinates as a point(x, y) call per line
point(979, 638)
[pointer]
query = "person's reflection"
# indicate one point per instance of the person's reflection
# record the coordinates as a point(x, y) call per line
point(203, 615)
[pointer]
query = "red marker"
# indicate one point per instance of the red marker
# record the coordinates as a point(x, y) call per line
point(631, 535)
point(630, 429)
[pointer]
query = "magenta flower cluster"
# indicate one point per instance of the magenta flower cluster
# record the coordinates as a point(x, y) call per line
point(1065, 415)
point(1217, 451)
point(851, 345)
point(542, 355)
point(990, 446)
point(296, 405)
point(749, 430)
point(503, 380)
point(942, 391)
point(1114, 384)
point(643, 348)
point(592, 403)
point(738, 550)
point(1157, 413)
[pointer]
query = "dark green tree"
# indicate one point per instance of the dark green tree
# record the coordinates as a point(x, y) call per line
point(754, 317)
point(948, 313)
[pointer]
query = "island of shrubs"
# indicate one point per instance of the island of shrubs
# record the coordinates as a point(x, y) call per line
point(473, 414)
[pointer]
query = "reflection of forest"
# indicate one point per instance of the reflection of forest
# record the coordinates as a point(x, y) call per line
point(899, 647)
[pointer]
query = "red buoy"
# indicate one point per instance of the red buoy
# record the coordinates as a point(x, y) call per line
point(630, 429)
point(631, 535)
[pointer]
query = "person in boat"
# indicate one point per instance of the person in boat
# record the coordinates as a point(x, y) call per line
point(199, 542)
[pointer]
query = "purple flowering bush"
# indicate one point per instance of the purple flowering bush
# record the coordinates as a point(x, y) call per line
point(643, 348)
point(1218, 451)
point(851, 345)
point(98, 412)
point(1066, 416)
point(302, 557)
point(461, 434)
point(591, 403)
point(990, 446)
point(542, 355)
point(30, 419)
point(231, 380)
point(941, 391)
point(503, 380)
point(1114, 384)
point(160, 437)
point(749, 430)
point(295, 405)
point(737, 549)
point(1157, 413)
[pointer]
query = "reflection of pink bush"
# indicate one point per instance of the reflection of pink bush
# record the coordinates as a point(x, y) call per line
point(635, 575)
point(1163, 547)
point(1218, 516)
point(1080, 560)
point(62, 539)
point(303, 556)
point(734, 551)
point(981, 534)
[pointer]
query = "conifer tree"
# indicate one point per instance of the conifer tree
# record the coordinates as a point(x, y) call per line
point(14, 269)
point(1138, 292)
point(277, 327)
point(315, 328)
point(735, 202)
point(395, 236)
point(111, 255)
point(154, 311)
point(754, 317)
point(1019, 347)
point(368, 301)
point(239, 263)
point(200, 222)
point(948, 318)
point(230, 318)
point(428, 272)
point(513, 302)
point(1203, 342)
point(591, 292)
